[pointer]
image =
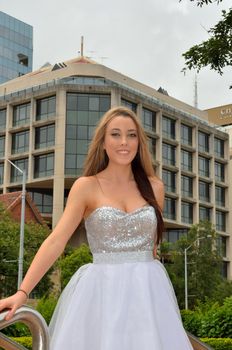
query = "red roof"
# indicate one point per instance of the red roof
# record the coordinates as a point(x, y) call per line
point(11, 199)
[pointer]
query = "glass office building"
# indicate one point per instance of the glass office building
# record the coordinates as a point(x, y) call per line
point(47, 121)
point(16, 47)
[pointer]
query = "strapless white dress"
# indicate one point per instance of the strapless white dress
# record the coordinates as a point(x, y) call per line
point(124, 299)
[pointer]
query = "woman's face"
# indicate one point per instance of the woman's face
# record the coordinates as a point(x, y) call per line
point(121, 140)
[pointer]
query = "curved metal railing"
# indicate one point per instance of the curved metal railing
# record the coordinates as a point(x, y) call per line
point(36, 324)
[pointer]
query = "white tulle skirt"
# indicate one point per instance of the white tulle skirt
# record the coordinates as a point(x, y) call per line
point(126, 306)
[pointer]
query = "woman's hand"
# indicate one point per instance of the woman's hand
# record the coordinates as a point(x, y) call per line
point(13, 303)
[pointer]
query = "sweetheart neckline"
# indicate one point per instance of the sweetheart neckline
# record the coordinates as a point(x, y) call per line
point(118, 209)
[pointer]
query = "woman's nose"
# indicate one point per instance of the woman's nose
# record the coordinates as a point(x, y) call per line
point(124, 140)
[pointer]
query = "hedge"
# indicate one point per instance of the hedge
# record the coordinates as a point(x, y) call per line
point(209, 320)
point(218, 343)
point(24, 341)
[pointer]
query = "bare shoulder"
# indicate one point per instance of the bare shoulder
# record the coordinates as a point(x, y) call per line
point(83, 187)
point(158, 189)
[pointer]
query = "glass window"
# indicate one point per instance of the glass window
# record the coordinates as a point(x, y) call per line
point(20, 142)
point(173, 235)
point(204, 213)
point(220, 196)
point(1, 173)
point(152, 146)
point(170, 208)
point(44, 165)
point(187, 212)
point(21, 114)
point(129, 104)
point(15, 175)
point(45, 136)
point(219, 147)
point(149, 119)
point(221, 246)
point(2, 119)
point(186, 160)
point(204, 191)
point(186, 186)
point(169, 154)
point(168, 127)
point(203, 142)
point(45, 107)
point(220, 221)
point(2, 146)
point(224, 270)
point(186, 135)
point(219, 172)
point(169, 179)
point(83, 113)
point(204, 166)
point(43, 199)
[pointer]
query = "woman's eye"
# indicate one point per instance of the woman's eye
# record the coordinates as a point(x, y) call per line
point(115, 134)
point(132, 135)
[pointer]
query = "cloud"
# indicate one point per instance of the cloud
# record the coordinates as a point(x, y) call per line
point(142, 39)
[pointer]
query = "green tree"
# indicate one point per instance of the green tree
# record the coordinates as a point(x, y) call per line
point(216, 52)
point(9, 243)
point(204, 264)
point(72, 261)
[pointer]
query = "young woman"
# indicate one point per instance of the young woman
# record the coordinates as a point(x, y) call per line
point(124, 299)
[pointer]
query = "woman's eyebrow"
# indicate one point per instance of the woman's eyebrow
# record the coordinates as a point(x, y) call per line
point(120, 129)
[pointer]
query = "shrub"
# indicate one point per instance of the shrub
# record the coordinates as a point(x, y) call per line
point(218, 343)
point(73, 261)
point(25, 341)
point(16, 330)
point(210, 319)
point(46, 307)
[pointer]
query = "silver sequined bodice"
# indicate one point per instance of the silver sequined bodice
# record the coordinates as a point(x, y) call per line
point(111, 230)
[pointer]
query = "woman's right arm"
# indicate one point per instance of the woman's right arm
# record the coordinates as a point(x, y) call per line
point(54, 245)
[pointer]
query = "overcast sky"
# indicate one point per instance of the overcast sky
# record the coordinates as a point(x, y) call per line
point(141, 39)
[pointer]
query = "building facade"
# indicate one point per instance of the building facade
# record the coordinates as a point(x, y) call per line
point(16, 47)
point(47, 119)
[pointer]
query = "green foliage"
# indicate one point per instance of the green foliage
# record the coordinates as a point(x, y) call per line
point(216, 52)
point(46, 306)
point(219, 343)
point(16, 330)
point(34, 235)
point(73, 261)
point(209, 319)
point(25, 341)
point(205, 2)
point(203, 261)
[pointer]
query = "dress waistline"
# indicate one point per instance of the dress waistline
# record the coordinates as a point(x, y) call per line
point(122, 257)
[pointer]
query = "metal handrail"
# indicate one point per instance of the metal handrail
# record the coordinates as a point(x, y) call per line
point(197, 344)
point(36, 324)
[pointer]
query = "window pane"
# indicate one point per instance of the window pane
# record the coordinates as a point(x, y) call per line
point(21, 114)
point(169, 154)
point(168, 127)
point(45, 107)
point(82, 118)
point(186, 135)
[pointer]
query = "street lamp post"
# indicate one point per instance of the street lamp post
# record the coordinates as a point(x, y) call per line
point(22, 221)
point(186, 269)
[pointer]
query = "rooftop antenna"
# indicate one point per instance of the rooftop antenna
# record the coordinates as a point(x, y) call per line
point(82, 46)
point(195, 92)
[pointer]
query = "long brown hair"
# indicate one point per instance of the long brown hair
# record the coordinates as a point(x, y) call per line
point(97, 160)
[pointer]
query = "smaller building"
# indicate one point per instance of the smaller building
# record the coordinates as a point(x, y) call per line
point(12, 203)
point(16, 47)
